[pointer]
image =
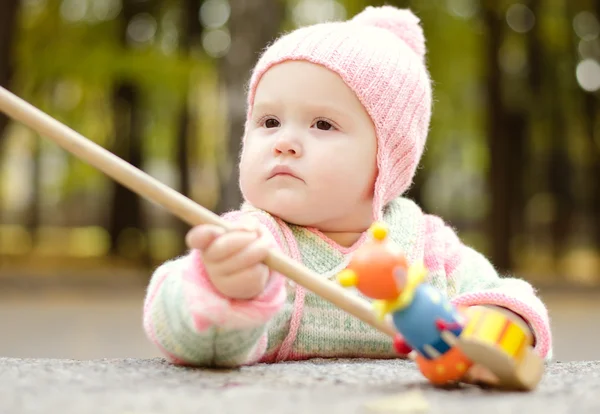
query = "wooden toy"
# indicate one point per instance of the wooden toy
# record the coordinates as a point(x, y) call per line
point(419, 312)
point(496, 339)
point(444, 341)
point(450, 345)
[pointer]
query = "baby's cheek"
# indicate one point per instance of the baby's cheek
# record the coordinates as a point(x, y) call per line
point(330, 169)
point(251, 166)
point(248, 182)
point(331, 162)
point(329, 179)
point(349, 171)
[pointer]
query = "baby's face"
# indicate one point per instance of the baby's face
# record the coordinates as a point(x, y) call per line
point(309, 155)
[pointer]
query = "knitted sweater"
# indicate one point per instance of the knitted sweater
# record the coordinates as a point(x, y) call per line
point(193, 324)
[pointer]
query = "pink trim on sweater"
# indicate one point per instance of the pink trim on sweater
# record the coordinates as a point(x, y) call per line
point(294, 252)
point(336, 246)
point(286, 349)
point(538, 323)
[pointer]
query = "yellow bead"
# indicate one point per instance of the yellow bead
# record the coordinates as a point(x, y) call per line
point(440, 369)
point(379, 231)
point(461, 367)
point(473, 324)
point(492, 327)
point(513, 339)
point(347, 278)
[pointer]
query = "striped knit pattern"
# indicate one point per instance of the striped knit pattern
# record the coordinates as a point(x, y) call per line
point(191, 323)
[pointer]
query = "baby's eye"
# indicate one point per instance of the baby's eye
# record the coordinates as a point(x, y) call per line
point(271, 123)
point(324, 125)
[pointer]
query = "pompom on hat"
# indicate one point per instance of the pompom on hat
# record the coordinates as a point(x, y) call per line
point(380, 55)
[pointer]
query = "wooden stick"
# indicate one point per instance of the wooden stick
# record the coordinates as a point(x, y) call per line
point(179, 205)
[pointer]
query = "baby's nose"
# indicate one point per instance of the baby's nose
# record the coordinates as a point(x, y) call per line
point(286, 149)
point(286, 146)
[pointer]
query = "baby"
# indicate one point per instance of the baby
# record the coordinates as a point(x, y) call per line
point(338, 114)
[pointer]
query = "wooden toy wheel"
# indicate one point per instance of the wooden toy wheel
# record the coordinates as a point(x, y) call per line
point(500, 342)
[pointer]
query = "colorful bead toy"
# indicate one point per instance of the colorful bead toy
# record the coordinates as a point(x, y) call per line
point(445, 341)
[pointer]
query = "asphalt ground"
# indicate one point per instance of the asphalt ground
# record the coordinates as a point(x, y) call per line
point(84, 351)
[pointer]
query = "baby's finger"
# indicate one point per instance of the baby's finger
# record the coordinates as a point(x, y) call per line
point(228, 245)
point(246, 283)
point(253, 254)
point(200, 237)
point(266, 235)
point(479, 374)
point(249, 224)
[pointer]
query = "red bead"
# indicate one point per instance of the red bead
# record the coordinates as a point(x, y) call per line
point(401, 346)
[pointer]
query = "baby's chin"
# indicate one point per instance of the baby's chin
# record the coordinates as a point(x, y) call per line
point(291, 211)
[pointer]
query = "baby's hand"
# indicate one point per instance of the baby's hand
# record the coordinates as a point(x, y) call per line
point(233, 259)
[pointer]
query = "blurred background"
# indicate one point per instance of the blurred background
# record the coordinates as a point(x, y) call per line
point(512, 163)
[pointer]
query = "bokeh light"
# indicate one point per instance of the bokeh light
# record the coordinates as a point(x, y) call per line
point(588, 75)
point(520, 18)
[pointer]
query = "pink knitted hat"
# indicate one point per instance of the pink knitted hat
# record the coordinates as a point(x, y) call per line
point(380, 55)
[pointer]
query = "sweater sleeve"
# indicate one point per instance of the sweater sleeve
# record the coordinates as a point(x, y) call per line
point(191, 323)
point(472, 280)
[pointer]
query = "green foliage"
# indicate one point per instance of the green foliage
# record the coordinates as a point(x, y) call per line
point(69, 68)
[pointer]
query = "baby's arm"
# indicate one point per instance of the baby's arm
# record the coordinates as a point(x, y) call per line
point(472, 280)
point(191, 323)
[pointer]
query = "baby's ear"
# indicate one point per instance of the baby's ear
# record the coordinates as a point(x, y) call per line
point(400, 276)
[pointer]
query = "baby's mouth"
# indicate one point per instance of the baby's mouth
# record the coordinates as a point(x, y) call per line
point(283, 171)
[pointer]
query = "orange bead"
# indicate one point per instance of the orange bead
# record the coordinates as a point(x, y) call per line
point(447, 368)
point(374, 264)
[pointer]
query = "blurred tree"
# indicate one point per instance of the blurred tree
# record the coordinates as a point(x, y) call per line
point(559, 169)
point(189, 36)
point(354, 7)
point(8, 25)
point(593, 117)
point(507, 122)
point(252, 25)
point(591, 120)
point(499, 142)
point(127, 227)
point(8, 32)
point(540, 123)
point(536, 117)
